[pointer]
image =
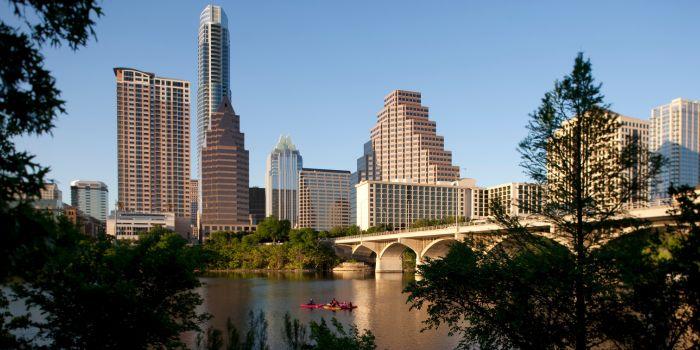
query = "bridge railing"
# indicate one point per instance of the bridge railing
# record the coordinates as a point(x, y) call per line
point(413, 229)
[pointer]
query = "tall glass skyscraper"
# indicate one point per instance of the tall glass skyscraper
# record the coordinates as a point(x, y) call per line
point(282, 181)
point(213, 71)
point(90, 197)
point(675, 134)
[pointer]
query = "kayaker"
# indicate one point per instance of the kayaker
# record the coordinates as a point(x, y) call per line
point(311, 302)
point(334, 302)
point(349, 304)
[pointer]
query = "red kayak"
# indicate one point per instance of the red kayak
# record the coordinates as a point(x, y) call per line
point(311, 306)
point(339, 307)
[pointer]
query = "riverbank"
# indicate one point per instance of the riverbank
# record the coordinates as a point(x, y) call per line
point(214, 271)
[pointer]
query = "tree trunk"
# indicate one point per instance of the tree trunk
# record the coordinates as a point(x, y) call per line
point(579, 288)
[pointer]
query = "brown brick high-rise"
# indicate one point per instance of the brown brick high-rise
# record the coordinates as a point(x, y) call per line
point(153, 142)
point(406, 145)
point(224, 173)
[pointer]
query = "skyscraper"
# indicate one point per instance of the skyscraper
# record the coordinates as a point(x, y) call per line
point(212, 68)
point(194, 200)
point(153, 142)
point(224, 185)
point(256, 199)
point(324, 199)
point(406, 145)
point(675, 134)
point(90, 197)
point(282, 181)
point(366, 171)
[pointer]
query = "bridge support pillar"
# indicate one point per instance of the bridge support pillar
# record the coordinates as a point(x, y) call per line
point(389, 264)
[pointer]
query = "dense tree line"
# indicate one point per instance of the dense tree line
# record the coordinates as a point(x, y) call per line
point(273, 246)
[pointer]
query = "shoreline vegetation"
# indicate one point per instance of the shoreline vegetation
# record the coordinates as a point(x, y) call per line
point(274, 246)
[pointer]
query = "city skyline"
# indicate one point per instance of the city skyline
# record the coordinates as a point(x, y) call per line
point(459, 114)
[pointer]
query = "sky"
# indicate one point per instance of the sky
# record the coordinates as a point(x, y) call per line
point(319, 70)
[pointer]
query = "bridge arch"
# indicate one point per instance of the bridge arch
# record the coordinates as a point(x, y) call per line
point(363, 253)
point(390, 258)
point(437, 248)
point(511, 246)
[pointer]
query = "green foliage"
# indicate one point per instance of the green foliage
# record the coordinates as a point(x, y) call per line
point(531, 293)
point(499, 299)
point(437, 222)
point(655, 274)
point(318, 335)
point(303, 250)
point(29, 104)
point(408, 260)
point(255, 337)
point(93, 292)
point(342, 232)
point(273, 230)
point(379, 228)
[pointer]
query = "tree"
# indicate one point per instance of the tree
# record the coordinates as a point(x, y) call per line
point(29, 104)
point(588, 177)
point(273, 229)
point(507, 297)
point(130, 295)
point(656, 272)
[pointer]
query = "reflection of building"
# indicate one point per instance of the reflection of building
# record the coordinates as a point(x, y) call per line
point(125, 225)
point(256, 198)
point(90, 197)
point(324, 199)
point(224, 173)
point(282, 181)
point(399, 204)
point(675, 134)
point(213, 68)
point(153, 142)
point(366, 171)
point(406, 146)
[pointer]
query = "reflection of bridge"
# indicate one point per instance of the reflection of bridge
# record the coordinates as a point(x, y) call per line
point(385, 249)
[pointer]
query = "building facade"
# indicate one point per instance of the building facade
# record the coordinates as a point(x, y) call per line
point(366, 171)
point(224, 184)
point(516, 199)
point(193, 199)
point(86, 224)
point(153, 142)
point(634, 132)
point(615, 166)
point(90, 197)
point(399, 204)
point(256, 197)
point(213, 68)
point(50, 199)
point(324, 199)
point(406, 145)
point(126, 225)
point(675, 134)
point(282, 181)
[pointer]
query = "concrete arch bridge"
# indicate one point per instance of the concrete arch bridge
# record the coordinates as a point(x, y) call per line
point(385, 249)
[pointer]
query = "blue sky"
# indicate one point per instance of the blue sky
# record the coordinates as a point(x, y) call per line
point(318, 70)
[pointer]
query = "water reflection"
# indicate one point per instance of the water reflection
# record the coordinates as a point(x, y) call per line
point(382, 306)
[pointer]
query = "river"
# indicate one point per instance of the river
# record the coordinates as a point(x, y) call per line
point(381, 308)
